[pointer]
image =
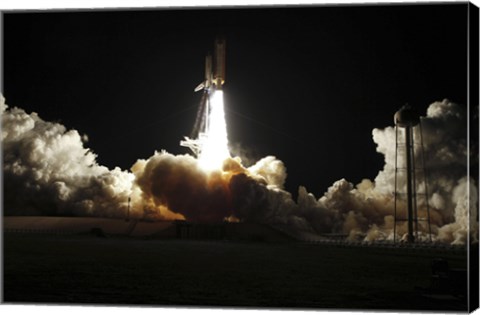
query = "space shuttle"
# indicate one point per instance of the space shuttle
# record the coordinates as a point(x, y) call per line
point(214, 68)
point(214, 80)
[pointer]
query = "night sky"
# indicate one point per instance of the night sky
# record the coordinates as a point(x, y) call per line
point(305, 84)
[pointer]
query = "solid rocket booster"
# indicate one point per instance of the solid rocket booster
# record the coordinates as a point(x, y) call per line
point(214, 68)
point(208, 73)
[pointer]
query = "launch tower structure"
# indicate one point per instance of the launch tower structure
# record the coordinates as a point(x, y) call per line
point(409, 168)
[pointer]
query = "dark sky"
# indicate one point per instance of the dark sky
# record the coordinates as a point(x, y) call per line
point(307, 85)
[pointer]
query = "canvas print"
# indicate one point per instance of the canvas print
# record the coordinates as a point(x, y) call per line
point(284, 157)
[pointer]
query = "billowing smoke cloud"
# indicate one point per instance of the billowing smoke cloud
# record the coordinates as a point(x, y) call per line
point(178, 183)
point(446, 150)
point(366, 211)
point(48, 171)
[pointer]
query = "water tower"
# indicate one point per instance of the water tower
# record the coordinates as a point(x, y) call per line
point(408, 154)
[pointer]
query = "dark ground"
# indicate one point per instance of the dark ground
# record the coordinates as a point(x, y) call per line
point(84, 269)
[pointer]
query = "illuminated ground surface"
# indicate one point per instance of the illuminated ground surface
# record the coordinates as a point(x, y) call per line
point(84, 269)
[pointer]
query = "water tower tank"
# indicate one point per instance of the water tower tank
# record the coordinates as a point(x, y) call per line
point(406, 117)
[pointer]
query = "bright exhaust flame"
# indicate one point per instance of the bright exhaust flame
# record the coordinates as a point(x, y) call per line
point(215, 145)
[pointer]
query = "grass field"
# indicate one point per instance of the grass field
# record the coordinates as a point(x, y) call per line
point(84, 269)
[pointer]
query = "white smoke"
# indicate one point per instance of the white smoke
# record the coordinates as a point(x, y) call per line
point(366, 211)
point(270, 169)
point(48, 171)
point(465, 198)
point(445, 150)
